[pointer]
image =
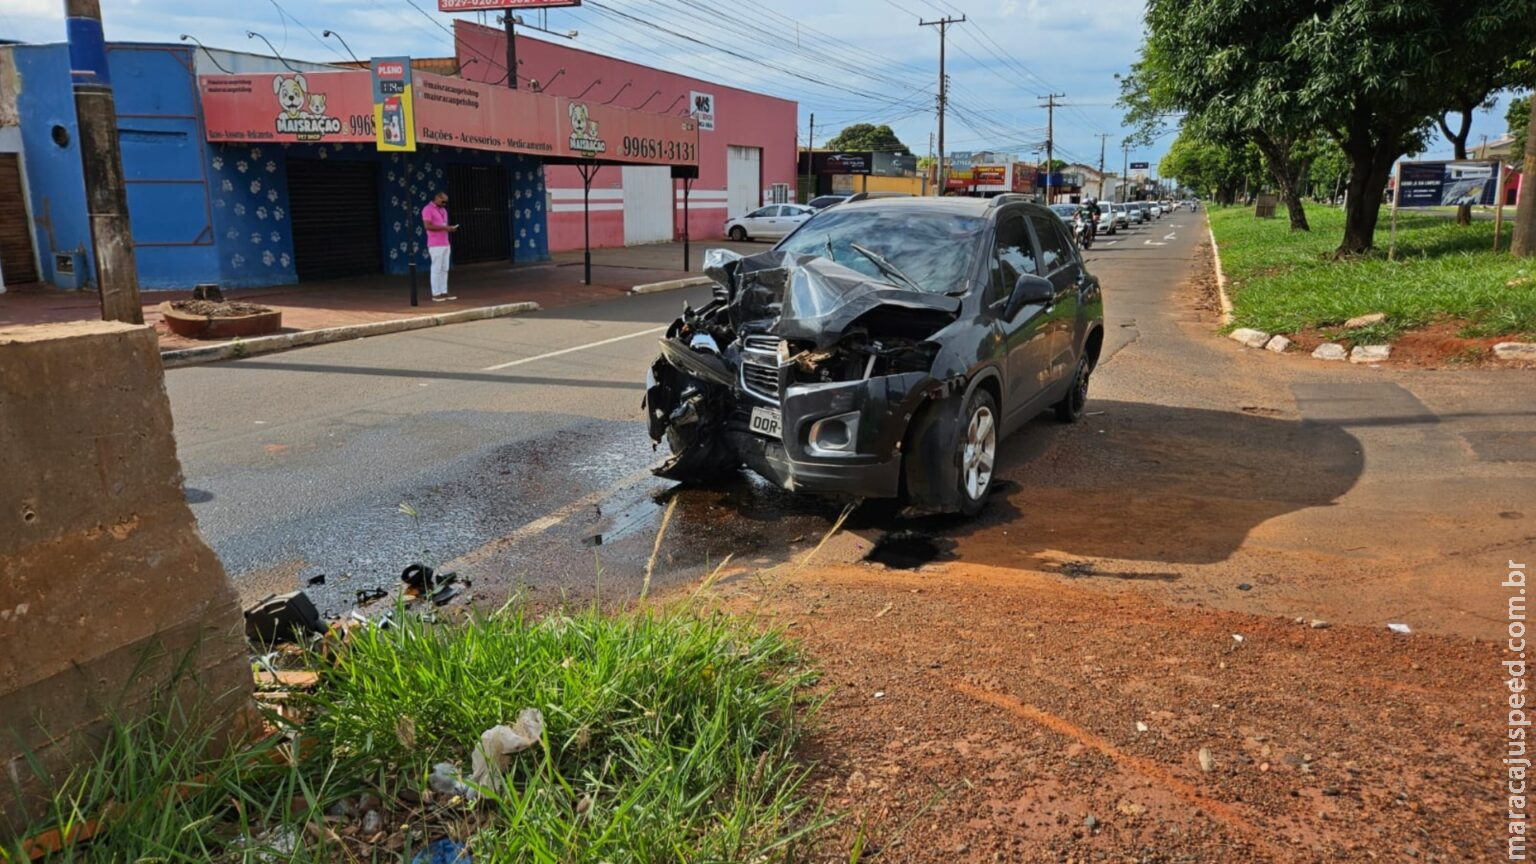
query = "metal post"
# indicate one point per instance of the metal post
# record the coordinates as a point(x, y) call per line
point(588, 171)
point(1498, 205)
point(414, 252)
point(101, 163)
point(511, 48)
point(687, 187)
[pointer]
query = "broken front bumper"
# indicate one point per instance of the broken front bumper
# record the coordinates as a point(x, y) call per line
point(873, 414)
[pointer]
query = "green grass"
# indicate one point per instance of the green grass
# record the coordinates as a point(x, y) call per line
point(668, 737)
point(1284, 282)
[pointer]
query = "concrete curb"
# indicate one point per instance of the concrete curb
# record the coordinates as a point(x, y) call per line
point(1221, 276)
point(284, 341)
point(671, 285)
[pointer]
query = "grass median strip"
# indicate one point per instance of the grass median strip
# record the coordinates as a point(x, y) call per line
point(1285, 282)
point(668, 736)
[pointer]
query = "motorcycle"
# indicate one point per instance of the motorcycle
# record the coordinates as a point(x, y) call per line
point(1083, 231)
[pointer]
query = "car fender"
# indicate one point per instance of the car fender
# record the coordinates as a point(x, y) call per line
point(930, 472)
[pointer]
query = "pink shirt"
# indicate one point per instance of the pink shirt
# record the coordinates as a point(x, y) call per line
point(435, 215)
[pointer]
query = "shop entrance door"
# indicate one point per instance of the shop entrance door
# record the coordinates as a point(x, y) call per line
point(478, 203)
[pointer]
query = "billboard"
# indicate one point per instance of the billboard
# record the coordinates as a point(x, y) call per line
point(340, 107)
point(989, 175)
point(394, 117)
point(1447, 184)
point(296, 107)
point(478, 5)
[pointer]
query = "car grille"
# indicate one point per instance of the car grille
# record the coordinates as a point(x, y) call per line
point(760, 367)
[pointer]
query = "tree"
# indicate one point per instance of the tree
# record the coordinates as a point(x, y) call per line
point(1216, 171)
point(1524, 245)
point(1371, 75)
point(1518, 116)
point(867, 136)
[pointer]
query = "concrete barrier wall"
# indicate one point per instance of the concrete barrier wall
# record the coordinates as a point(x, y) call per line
point(106, 587)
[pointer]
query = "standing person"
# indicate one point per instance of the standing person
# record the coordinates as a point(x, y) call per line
point(435, 217)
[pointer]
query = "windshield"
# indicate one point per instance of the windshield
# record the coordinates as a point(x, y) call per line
point(932, 249)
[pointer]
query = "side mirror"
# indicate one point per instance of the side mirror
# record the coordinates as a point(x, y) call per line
point(1030, 290)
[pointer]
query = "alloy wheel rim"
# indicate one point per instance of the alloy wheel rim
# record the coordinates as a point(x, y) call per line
point(980, 452)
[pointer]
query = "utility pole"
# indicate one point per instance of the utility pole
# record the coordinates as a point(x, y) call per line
point(943, 25)
point(1050, 143)
point(1103, 139)
point(101, 163)
point(1125, 173)
point(811, 145)
point(511, 23)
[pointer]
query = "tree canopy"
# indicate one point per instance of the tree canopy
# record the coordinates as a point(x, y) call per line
point(1373, 75)
point(1518, 116)
point(867, 136)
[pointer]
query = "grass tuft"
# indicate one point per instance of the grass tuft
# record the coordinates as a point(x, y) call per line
point(1285, 282)
point(669, 737)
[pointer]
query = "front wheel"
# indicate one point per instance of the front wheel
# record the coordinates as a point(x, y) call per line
point(977, 450)
point(738, 233)
point(1070, 408)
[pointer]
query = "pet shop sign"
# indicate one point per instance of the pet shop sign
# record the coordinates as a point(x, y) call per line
point(293, 107)
point(477, 5)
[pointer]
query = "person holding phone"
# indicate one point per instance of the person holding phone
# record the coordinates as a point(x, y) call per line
point(435, 217)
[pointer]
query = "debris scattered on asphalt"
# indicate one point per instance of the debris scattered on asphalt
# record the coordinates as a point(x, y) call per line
point(1318, 624)
point(317, 579)
point(1244, 586)
point(368, 595)
point(279, 618)
point(1142, 727)
point(1399, 628)
point(1207, 761)
point(888, 607)
point(879, 694)
point(1237, 637)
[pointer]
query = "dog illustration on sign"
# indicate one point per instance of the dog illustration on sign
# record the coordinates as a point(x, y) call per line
point(292, 95)
point(584, 137)
point(302, 113)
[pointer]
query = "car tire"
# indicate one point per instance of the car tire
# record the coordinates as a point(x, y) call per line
point(976, 450)
point(738, 233)
point(1071, 407)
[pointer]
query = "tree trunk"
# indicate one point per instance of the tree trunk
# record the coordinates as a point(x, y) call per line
point(1524, 245)
point(1368, 171)
point(1458, 140)
point(1287, 172)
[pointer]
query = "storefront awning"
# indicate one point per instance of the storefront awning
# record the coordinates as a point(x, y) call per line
point(316, 107)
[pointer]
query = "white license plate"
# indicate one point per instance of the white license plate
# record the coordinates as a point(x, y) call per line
point(766, 421)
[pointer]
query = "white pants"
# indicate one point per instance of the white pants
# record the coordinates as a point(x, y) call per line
point(439, 269)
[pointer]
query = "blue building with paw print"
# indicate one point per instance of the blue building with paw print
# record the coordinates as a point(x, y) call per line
point(240, 215)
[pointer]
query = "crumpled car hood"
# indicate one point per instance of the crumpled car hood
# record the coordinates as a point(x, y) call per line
point(809, 298)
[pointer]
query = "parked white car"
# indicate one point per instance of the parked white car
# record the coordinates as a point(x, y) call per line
point(769, 223)
point(1135, 213)
point(1109, 220)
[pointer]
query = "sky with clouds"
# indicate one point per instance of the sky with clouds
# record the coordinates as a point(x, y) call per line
point(846, 61)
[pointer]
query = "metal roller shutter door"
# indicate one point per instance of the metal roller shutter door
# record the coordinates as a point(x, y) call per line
point(743, 180)
point(334, 206)
point(18, 265)
point(648, 204)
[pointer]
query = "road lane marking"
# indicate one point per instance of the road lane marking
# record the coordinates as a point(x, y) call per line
point(1170, 236)
point(563, 351)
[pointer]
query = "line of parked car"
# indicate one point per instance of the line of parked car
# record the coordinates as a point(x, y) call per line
point(776, 221)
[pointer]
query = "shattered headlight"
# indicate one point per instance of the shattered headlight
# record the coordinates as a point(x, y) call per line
point(832, 436)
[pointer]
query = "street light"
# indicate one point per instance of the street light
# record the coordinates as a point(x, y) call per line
point(252, 34)
point(185, 37)
point(329, 33)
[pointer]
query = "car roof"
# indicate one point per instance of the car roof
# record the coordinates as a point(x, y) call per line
point(960, 205)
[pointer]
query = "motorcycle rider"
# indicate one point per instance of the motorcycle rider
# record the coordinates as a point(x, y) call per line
point(1090, 213)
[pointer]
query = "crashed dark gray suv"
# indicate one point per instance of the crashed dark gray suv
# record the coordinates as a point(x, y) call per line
point(881, 350)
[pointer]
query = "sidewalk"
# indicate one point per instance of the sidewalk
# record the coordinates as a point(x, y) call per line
point(369, 299)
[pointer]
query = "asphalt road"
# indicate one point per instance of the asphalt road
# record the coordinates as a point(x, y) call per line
point(1327, 489)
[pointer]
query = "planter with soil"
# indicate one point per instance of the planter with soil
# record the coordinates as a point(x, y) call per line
point(207, 319)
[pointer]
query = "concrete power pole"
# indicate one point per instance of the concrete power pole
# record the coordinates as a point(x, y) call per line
point(101, 164)
point(943, 25)
point(511, 23)
point(1050, 143)
point(1103, 138)
point(1125, 172)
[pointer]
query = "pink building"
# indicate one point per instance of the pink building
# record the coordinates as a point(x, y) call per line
point(747, 143)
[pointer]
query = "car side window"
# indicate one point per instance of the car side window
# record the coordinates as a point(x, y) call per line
point(762, 212)
point(1055, 248)
point(1015, 255)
